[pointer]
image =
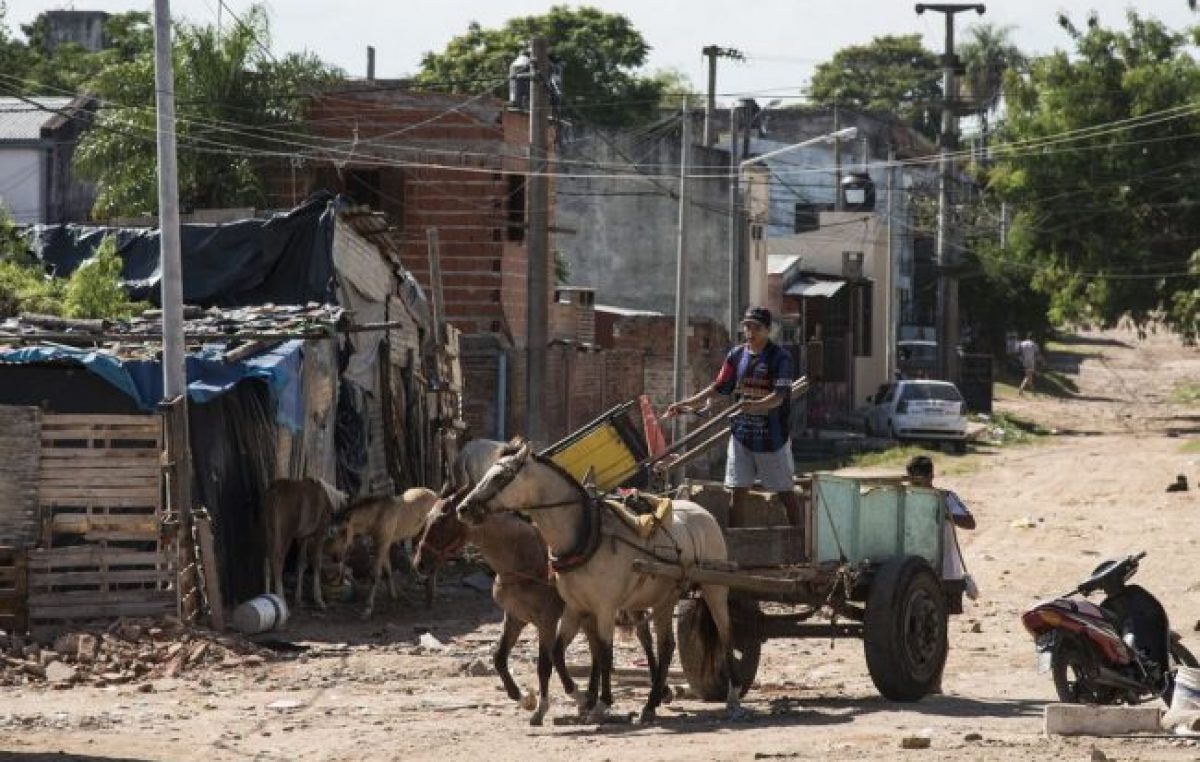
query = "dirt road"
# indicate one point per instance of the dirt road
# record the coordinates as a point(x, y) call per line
point(1047, 514)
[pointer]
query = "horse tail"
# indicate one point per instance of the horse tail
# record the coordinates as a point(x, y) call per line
point(337, 498)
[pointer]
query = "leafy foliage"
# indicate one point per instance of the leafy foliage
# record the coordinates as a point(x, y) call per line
point(94, 289)
point(893, 73)
point(600, 52)
point(235, 103)
point(1107, 222)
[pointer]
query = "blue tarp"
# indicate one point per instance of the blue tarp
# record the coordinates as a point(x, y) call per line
point(209, 375)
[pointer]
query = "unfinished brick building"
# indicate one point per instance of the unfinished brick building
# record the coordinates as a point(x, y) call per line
point(456, 164)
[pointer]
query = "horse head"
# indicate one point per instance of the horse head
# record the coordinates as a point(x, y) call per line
point(444, 536)
point(484, 498)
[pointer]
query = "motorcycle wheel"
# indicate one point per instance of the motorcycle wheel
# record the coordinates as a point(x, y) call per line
point(1072, 666)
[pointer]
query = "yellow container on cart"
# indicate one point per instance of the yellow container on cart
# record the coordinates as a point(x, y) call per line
point(611, 445)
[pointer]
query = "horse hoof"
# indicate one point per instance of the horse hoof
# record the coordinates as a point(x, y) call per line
point(536, 719)
point(668, 694)
point(583, 702)
point(647, 717)
point(737, 714)
point(598, 714)
point(365, 615)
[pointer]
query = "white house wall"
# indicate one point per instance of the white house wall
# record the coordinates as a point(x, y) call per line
point(22, 183)
point(821, 252)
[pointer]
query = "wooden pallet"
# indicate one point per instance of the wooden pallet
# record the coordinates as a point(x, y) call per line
point(14, 612)
point(92, 581)
point(100, 500)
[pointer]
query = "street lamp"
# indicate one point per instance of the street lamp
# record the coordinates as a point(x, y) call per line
point(735, 260)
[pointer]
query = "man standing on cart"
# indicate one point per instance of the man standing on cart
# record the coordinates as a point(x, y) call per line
point(759, 375)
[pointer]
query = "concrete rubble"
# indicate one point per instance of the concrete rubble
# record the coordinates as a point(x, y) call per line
point(125, 651)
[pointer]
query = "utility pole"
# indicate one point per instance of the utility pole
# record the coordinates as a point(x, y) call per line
point(178, 451)
point(681, 270)
point(890, 277)
point(537, 206)
point(713, 52)
point(837, 161)
point(947, 257)
point(735, 226)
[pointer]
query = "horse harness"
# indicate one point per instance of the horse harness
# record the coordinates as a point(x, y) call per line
point(591, 533)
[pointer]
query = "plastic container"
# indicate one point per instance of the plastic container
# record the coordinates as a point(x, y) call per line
point(1184, 712)
point(260, 614)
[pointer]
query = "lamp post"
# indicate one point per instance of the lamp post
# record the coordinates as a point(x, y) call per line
point(737, 262)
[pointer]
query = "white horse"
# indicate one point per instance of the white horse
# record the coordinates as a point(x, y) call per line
point(594, 553)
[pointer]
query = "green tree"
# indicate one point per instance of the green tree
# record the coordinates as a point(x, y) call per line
point(988, 54)
point(893, 73)
point(601, 54)
point(234, 101)
point(676, 87)
point(1107, 219)
point(94, 289)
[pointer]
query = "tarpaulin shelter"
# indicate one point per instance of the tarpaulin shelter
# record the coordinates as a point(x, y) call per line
point(307, 351)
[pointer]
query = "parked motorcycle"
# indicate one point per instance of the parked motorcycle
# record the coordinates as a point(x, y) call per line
point(1121, 651)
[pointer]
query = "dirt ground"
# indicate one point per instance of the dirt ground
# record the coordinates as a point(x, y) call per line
point(1047, 512)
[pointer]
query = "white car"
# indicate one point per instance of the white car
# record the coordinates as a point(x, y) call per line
point(918, 409)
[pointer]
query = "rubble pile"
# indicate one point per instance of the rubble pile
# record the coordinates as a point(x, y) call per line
point(127, 650)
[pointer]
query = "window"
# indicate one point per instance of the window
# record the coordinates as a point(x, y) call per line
point(947, 392)
point(516, 207)
point(806, 218)
point(362, 185)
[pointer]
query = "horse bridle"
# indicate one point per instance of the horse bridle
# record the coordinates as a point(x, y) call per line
point(500, 482)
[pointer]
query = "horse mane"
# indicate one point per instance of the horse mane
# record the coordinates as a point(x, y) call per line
point(546, 461)
point(513, 446)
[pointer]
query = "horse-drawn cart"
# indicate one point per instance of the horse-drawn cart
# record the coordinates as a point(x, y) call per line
point(865, 565)
point(865, 562)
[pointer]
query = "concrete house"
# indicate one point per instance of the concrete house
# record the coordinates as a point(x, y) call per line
point(37, 140)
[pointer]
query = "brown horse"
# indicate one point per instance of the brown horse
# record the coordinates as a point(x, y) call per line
point(595, 554)
point(523, 589)
point(388, 520)
point(297, 510)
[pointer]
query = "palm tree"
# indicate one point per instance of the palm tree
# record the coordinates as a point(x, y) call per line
point(987, 54)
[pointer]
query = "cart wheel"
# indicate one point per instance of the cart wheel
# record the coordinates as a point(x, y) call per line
point(905, 629)
point(700, 655)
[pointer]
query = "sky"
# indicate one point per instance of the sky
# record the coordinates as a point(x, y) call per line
point(782, 40)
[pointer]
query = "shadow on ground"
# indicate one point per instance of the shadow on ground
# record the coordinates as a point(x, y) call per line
point(787, 711)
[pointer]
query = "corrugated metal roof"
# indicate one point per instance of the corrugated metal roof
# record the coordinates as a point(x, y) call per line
point(809, 288)
point(22, 120)
point(777, 264)
point(625, 312)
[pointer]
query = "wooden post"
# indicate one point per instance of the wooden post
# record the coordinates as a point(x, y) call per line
point(179, 498)
point(208, 564)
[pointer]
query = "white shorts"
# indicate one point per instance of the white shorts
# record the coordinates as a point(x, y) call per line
point(773, 470)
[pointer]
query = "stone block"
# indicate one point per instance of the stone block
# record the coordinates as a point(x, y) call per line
point(1084, 720)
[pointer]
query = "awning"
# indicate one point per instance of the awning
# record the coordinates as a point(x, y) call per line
point(807, 287)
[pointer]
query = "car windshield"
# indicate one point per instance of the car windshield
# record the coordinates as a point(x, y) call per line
point(931, 392)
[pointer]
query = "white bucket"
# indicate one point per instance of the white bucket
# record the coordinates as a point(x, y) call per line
point(1184, 712)
point(265, 612)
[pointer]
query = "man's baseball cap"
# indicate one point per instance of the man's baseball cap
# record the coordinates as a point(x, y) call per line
point(760, 315)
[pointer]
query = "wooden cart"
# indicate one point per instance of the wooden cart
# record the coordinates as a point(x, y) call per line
point(866, 563)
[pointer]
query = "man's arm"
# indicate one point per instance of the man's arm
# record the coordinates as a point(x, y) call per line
point(683, 405)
